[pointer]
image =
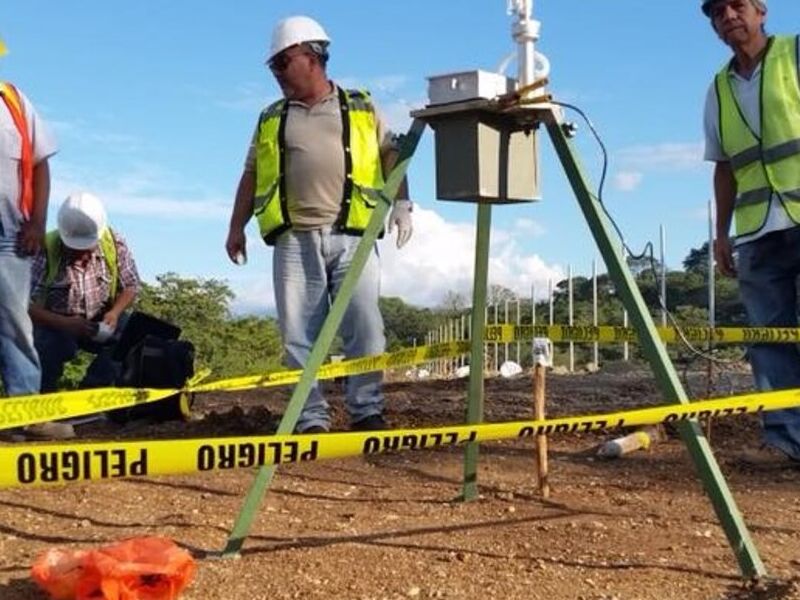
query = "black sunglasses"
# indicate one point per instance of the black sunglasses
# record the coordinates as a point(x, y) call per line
point(281, 61)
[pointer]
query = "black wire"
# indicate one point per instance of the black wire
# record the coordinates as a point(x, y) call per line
point(648, 251)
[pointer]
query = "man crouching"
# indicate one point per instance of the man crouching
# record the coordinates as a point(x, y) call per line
point(82, 283)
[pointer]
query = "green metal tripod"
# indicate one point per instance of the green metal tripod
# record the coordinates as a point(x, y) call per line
point(716, 487)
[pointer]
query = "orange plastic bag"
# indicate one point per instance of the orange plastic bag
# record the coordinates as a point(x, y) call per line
point(148, 568)
point(57, 572)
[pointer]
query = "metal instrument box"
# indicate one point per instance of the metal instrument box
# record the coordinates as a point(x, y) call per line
point(468, 85)
point(483, 153)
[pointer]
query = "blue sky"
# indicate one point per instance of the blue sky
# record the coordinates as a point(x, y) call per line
point(153, 104)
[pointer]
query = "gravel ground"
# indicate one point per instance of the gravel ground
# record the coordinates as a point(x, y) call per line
point(391, 527)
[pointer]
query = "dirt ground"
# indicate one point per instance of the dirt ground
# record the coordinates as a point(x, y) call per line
point(390, 526)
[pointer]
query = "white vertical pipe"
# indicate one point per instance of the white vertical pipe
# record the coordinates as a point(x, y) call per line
point(461, 337)
point(625, 348)
point(505, 322)
point(451, 327)
point(428, 343)
point(486, 355)
point(443, 339)
point(525, 45)
point(571, 318)
point(496, 344)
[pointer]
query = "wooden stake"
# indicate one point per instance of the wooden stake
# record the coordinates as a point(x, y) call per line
point(541, 439)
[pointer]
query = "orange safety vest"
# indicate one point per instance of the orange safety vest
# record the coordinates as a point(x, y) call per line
point(13, 102)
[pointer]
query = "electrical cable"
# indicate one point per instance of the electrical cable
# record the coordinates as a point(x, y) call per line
point(647, 253)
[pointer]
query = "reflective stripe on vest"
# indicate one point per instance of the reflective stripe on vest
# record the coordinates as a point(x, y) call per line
point(54, 251)
point(13, 102)
point(363, 179)
point(770, 163)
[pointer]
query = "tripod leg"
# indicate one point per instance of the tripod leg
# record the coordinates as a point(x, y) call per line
point(654, 350)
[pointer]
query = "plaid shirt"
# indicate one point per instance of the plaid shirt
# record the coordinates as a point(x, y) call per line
point(82, 289)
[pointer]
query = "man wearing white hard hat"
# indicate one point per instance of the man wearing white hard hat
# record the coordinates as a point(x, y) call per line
point(752, 132)
point(83, 282)
point(25, 147)
point(315, 161)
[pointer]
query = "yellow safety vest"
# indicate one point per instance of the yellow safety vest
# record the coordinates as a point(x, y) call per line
point(770, 163)
point(54, 251)
point(363, 171)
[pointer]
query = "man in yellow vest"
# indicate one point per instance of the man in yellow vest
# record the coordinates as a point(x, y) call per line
point(26, 144)
point(315, 162)
point(752, 131)
point(83, 282)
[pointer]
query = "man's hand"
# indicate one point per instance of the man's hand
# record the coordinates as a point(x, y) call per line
point(723, 255)
point(80, 327)
point(31, 237)
point(236, 245)
point(400, 217)
point(111, 318)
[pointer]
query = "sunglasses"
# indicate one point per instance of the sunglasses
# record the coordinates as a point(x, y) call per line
point(718, 9)
point(280, 62)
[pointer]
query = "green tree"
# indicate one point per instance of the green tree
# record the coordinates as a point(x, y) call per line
point(498, 295)
point(247, 346)
point(453, 304)
point(697, 260)
point(200, 307)
point(404, 323)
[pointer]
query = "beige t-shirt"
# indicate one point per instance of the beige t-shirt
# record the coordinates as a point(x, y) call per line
point(315, 161)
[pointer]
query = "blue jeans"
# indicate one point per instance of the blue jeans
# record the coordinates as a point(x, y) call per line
point(56, 348)
point(768, 268)
point(19, 364)
point(308, 270)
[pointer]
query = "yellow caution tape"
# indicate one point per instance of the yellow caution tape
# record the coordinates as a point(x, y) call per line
point(18, 411)
point(27, 410)
point(612, 334)
point(35, 465)
point(356, 366)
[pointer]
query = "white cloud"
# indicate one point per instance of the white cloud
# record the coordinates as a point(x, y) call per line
point(627, 181)
point(439, 258)
point(110, 141)
point(254, 292)
point(397, 113)
point(393, 96)
point(669, 156)
point(529, 227)
point(163, 207)
point(248, 97)
point(698, 214)
point(137, 192)
point(385, 84)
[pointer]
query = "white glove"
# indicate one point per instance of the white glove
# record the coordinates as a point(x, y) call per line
point(401, 217)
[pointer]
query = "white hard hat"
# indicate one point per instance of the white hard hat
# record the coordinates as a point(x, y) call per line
point(81, 221)
point(295, 30)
